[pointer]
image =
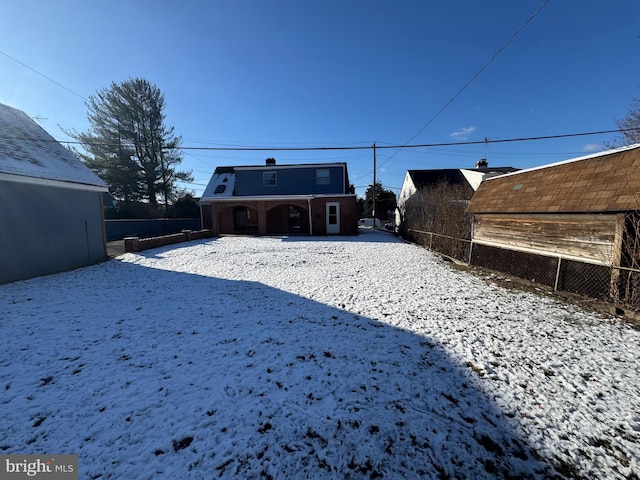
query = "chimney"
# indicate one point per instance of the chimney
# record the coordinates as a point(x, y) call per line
point(482, 163)
point(269, 162)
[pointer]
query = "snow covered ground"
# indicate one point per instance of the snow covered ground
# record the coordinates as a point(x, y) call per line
point(352, 357)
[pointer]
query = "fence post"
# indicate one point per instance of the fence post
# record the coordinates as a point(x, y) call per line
point(555, 287)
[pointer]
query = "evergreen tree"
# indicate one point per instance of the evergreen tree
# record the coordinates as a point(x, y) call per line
point(128, 144)
point(385, 201)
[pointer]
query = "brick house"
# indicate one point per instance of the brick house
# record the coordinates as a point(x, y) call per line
point(270, 199)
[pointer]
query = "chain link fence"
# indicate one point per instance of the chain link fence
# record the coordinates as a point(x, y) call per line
point(453, 247)
point(619, 286)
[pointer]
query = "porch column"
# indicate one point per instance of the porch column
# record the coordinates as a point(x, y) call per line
point(262, 218)
point(215, 227)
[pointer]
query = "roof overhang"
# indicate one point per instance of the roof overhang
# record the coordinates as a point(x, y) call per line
point(278, 198)
point(45, 182)
point(289, 166)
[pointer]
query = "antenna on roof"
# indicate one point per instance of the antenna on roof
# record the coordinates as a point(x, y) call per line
point(483, 161)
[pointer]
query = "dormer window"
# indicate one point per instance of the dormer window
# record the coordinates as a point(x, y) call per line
point(269, 179)
point(323, 177)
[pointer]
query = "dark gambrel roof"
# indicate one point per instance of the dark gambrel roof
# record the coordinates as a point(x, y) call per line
point(453, 176)
point(428, 178)
point(605, 182)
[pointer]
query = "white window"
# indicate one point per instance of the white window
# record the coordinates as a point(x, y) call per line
point(323, 177)
point(269, 179)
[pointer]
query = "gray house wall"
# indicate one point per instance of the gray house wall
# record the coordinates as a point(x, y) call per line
point(45, 230)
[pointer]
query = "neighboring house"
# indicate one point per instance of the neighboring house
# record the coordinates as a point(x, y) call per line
point(270, 199)
point(467, 179)
point(582, 211)
point(52, 211)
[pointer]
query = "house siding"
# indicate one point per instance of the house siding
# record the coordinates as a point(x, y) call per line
point(290, 181)
point(588, 237)
point(47, 230)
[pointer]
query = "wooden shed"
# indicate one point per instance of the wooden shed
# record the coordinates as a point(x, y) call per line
point(583, 210)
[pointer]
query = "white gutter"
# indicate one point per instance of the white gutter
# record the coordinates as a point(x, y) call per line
point(241, 198)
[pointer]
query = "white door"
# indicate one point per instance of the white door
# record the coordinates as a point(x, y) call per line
point(333, 218)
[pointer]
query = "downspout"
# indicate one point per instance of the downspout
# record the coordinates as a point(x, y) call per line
point(310, 217)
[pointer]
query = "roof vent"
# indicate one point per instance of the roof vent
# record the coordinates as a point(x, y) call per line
point(270, 161)
point(482, 163)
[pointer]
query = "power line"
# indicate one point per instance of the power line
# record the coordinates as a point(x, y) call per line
point(352, 147)
point(475, 75)
point(42, 75)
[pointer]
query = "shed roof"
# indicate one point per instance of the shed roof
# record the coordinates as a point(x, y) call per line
point(605, 182)
point(26, 150)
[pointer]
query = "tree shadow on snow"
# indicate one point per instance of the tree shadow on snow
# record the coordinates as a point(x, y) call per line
point(175, 375)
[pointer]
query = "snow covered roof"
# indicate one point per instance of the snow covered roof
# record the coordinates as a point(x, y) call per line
point(26, 150)
point(221, 185)
point(455, 176)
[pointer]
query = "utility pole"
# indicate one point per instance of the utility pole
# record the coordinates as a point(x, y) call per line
point(373, 190)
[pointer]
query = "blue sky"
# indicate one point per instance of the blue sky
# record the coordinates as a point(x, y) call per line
point(298, 73)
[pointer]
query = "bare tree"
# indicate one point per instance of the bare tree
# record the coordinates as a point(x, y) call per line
point(628, 281)
point(629, 127)
point(435, 217)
